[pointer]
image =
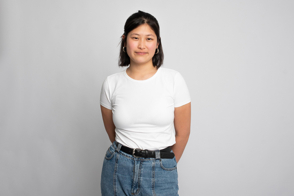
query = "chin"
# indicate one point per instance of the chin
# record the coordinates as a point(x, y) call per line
point(141, 62)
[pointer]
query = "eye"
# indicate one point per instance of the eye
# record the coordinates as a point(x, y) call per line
point(149, 38)
point(134, 37)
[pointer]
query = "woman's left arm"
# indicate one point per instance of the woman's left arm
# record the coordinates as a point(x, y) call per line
point(182, 123)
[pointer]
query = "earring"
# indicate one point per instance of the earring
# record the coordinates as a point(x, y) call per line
point(157, 50)
point(124, 49)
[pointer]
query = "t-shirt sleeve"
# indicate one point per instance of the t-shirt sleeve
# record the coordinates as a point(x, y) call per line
point(105, 97)
point(181, 91)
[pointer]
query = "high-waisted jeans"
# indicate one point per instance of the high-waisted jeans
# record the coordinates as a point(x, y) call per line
point(122, 174)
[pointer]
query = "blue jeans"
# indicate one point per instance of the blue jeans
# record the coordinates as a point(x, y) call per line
point(122, 174)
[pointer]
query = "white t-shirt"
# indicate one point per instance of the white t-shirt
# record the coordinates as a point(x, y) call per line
point(143, 110)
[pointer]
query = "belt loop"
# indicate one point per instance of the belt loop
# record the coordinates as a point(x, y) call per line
point(157, 154)
point(118, 147)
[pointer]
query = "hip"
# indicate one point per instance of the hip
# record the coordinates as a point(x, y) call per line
point(125, 174)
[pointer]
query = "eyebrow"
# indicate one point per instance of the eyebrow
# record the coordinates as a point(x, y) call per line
point(139, 34)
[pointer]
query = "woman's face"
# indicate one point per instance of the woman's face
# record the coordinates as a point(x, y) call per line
point(141, 45)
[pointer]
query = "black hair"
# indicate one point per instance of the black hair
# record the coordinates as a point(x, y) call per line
point(133, 22)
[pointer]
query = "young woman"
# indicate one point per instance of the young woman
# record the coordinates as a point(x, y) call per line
point(146, 111)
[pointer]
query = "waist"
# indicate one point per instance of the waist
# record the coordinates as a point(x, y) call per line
point(137, 152)
point(150, 141)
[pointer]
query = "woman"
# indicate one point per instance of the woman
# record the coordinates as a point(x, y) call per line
point(146, 111)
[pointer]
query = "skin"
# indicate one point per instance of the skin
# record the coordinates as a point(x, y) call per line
point(143, 39)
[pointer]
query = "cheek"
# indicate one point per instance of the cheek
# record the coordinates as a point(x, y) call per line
point(152, 46)
point(131, 45)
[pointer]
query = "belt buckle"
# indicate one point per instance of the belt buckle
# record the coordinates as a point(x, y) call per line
point(134, 152)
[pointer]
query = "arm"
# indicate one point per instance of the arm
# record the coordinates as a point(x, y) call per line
point(108, 122)
point(182, 123)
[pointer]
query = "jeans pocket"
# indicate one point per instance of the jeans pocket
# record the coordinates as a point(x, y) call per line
point(168, 164)
point(109, 153)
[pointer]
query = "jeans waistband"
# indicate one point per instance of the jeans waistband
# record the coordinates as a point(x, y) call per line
point(136, 152)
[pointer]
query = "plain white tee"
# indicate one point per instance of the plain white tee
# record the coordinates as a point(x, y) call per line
point(143, 110)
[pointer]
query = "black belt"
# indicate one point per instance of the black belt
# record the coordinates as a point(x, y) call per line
point(137, 152)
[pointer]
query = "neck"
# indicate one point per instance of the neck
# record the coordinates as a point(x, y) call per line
point(141, 72)
point(141, 68)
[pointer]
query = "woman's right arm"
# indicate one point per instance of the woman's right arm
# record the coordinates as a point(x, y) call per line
point(108, 122)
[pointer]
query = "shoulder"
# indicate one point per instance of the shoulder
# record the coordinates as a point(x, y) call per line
point(113, 78)
point(170, 73)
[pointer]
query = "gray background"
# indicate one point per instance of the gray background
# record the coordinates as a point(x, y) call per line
point(236, 57)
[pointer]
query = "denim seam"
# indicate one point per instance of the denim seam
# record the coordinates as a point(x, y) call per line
point(153, 177)
point(139, 177)
point(134, 174)
point(167, 169)
point(108, 158)
point(126, 156)
point(114, 174)
point(134, 180)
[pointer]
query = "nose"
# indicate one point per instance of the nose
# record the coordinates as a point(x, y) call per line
point(141, 44)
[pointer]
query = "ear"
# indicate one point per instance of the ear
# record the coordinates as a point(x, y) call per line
point(158, 41)
point(123, 37)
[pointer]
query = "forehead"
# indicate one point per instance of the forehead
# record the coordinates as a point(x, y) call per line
point(143, 30)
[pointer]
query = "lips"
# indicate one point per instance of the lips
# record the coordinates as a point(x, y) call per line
point(141, 53)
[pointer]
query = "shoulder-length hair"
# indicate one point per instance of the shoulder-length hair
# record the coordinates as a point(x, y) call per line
point(133, 22)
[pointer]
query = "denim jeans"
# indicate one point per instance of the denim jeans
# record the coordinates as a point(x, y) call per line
point(122, 174)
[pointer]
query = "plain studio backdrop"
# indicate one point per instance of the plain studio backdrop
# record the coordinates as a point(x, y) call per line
point(237, 60)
